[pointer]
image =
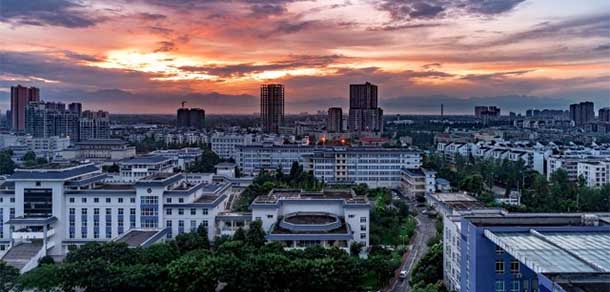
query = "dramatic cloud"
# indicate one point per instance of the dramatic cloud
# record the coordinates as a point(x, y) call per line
point(148, 55)
point(65, 13)
point(426, 9)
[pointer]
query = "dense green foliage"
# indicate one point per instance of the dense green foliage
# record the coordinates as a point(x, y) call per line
point(390, 220)
point(8, 277)
point(557, 194)
point(7, 165)
point(247, 264)
point(206, 162)
point(266, 181)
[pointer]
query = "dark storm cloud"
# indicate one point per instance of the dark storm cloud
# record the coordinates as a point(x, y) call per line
point(64, 13)
point(401, 10)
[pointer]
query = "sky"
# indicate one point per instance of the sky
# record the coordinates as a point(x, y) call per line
point(147, 56)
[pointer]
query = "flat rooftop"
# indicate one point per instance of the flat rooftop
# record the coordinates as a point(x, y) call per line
point(146, 159)
point(557, 252)
point(532, 219)
point(53, 171)
point(294, 194)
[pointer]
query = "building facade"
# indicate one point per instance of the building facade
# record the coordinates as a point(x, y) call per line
point(46, 211)
point(252, 159)
point(582, 113)
point(47, 119)
point(272, 107)
point(535, 252)
point(224, 145)
point(416, 182)
point(364, 113)
point(374, 166)
point(93, 125)
point(595, 173)
point(20, 97)
point(299, 219)
point(193, 118)
point(334, 120)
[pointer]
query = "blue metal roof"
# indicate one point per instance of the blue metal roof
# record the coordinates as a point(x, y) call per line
point(53, 174)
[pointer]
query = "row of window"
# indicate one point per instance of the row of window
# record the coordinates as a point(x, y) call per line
point(514, 266)
point(193, 211)
point(97, 200)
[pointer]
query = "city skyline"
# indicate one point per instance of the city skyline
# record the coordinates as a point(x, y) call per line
point(147, 56)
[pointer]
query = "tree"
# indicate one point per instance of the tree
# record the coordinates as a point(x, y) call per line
point(355, 248)
point(7, 165)
point(8, 276)
point(46, 260)
point(29, 156)
point(44, 278)
point(239, 234)
point(114, 168)
point(255, 235)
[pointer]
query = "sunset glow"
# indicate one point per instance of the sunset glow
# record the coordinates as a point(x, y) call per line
point(200, 49)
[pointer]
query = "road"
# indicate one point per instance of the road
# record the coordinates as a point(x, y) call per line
point(426, 229)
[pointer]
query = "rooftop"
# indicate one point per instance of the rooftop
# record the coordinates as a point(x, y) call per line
point(146, 159)
point(557, 252)
point(53, 172)
point(295, 194)
point(114, 142)
point(536, 219)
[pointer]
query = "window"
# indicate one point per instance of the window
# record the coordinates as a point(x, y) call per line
point(499, 266)
point(180, 211)
point(499, 286)
point(149, 212)
point(149, 200)
point(269, 216)
point(205, 211)
point(38, 184)
point(180, 200)
point(362, 227)
point(168, 224)
point(108, 200)
point(120, 200)
point(514, 266)
point(83, 200)
point(71, 200)
point(514, 286)
point(193, 225)
point(499, 250)
point(351, 216)
point(362, 219)
point(168, 211)
point(168, 200)
point(193, 211)
point(132, 200)
point(362, 235)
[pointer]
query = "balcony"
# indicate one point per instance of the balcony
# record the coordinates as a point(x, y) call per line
point(31, 233)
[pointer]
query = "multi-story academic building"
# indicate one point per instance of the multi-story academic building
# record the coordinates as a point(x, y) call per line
point(48, 210)
point(374, 166)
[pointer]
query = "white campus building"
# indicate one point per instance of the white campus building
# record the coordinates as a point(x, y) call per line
point(596, 173)
point(224, 145)
point(374, 166)
point(300, 219)
point(46, 211)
